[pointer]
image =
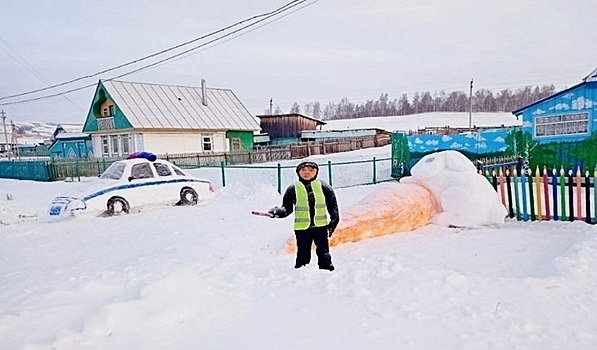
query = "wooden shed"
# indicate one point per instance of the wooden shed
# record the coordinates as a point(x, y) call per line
point(287, 128)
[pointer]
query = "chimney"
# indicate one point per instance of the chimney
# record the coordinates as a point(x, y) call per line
point(203, 97)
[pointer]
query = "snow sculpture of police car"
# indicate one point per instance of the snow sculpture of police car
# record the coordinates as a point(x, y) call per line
point(134, 183)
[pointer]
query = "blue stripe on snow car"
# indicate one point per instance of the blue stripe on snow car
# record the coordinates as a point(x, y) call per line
point(135, 185)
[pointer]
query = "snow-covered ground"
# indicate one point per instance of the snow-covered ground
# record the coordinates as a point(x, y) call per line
point(215, 277)
point(421, 120)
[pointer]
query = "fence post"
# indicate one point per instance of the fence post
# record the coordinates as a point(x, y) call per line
point(78, 171)
point(223, 174)
point(374, 172)
point(49, 171)
point(330, 172)
point(279, 178)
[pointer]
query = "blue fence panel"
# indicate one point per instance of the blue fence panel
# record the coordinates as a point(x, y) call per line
point(30, 170)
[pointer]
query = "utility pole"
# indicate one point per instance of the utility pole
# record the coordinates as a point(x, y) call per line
point(3, 115)
point(13, 140)
point(470, 107)
point(271, 106)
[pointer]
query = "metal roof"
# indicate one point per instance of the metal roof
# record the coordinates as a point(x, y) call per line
point(157, 106)
point(591, 78)
point(319, 122)
point(71, 135)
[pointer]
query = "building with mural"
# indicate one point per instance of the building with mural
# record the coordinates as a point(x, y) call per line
point(558, 131)
point(483, 142)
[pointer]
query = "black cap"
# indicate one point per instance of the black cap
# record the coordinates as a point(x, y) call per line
point(307, 164)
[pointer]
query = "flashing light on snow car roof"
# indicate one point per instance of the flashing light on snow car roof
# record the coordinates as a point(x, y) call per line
point(145, 155)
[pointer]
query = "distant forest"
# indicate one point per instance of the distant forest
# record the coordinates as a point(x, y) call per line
point(483, 100)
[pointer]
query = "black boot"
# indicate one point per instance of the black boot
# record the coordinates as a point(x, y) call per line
point(327, 267)
point(300, 263)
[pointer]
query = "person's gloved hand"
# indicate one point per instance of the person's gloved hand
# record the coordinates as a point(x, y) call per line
point(330, 232)
point(276, 212)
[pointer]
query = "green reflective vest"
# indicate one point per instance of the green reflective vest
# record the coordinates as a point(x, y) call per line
point(302, 217)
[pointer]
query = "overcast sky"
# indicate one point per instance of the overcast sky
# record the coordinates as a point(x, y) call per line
point(326, 51)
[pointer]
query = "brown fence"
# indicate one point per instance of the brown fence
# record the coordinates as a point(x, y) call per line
point(276, 153)
point(306, 149)
point(61, 168)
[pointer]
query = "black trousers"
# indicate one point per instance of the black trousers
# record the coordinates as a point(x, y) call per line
point(304, 241)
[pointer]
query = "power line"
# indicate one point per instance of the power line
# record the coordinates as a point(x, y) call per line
point(266, 14)
point(249, 31)
point(25, 64)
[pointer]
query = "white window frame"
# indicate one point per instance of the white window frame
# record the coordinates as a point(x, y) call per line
point(236, 141)
point(105, 144)
point(115, 144)
point(207, 142)
point(126, 144)
point(562, 124)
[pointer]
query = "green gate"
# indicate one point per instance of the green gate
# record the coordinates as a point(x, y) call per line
point(400, 154)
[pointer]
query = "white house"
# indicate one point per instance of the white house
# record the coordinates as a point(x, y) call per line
point(127, 117)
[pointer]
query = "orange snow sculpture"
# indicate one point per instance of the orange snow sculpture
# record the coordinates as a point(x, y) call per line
point(397, 208)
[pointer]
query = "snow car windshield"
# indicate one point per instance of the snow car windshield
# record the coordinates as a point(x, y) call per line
point(114, 171)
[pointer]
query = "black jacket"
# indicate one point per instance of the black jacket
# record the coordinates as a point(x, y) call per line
point(289, 200)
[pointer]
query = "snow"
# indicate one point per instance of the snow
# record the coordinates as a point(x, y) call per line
point(214, 276)
point(466, 199)
point(431, 119)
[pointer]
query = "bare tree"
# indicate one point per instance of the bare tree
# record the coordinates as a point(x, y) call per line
point(296, 108)
point(316, 113)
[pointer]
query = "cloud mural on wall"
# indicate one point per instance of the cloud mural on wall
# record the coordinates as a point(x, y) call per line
point(539, 111)
point(527, 124)
point(568, 96)
point(503, 149)
point(560, 107)
point(486, 141)
point(582, 103)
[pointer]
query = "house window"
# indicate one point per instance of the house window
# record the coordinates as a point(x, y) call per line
point(565, 124)
point(126, 144)
point(108, 111)
point(115, 145)
point(207, 142)
point(236, 144)
point(105, 146)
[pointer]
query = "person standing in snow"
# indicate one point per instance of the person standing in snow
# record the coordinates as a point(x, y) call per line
point(311, 200)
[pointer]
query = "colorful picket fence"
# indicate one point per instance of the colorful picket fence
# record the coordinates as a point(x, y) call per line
point(543, 195)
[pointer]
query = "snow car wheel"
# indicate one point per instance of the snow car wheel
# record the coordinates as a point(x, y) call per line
point(188, 196)
point(118, 206)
